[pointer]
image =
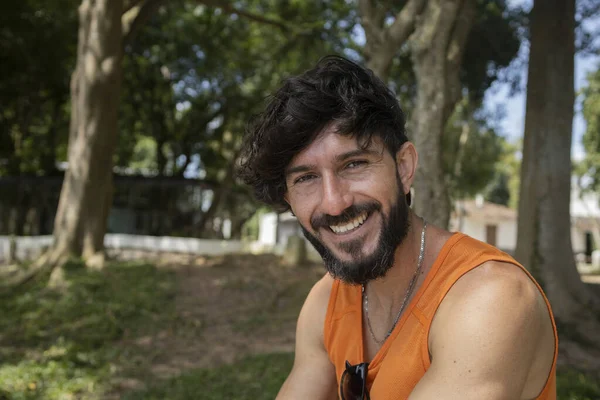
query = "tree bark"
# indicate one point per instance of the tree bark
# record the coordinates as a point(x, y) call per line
point(544, 239)
point(437, 49)
point(86, 195)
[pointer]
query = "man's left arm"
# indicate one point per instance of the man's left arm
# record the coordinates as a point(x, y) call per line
point(485, 337)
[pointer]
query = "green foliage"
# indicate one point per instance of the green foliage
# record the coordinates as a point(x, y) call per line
point(57, 345)
point(37, 47)
point(492, 45)
point(574, 385)
point(471, 151)
point(504, 186)
point(590, 166)
point(253, 378)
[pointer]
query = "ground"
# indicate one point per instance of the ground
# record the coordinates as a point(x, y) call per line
point(179, 328)
point(230, 307)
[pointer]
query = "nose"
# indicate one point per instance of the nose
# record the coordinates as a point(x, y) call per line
point(336, 196)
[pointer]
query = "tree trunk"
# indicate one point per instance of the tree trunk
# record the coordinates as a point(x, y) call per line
point(544, 238)
point(87, 190)
point(437, 48)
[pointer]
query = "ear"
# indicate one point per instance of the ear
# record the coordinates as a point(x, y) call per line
point(287, 200)
point(406, 162)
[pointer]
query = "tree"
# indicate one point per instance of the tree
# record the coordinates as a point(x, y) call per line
point(105, 27)
point(544, 240)
point(86, 194)
point(437, 48)
point(195, 75)
point(434, 34)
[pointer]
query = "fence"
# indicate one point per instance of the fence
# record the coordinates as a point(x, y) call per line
point(29, 247)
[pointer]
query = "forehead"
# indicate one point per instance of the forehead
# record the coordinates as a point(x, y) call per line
point(329, 144)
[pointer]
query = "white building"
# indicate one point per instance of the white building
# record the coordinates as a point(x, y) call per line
point(488, 222)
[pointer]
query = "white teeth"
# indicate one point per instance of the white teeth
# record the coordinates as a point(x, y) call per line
point(350, 225)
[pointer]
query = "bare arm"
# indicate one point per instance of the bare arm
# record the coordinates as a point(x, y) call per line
point(490, 339)
point(313, 375)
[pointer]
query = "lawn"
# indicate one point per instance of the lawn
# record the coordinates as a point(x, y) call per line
point(214, 328)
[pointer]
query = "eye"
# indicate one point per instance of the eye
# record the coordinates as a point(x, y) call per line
point(356, 163)
point(303, 179)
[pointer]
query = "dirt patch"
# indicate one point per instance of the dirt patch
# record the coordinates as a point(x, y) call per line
point(227, 307)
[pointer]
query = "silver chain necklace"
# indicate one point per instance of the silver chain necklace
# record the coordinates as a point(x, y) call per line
point(407, 295)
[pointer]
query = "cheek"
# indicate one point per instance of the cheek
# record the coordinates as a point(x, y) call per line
point(303, 213)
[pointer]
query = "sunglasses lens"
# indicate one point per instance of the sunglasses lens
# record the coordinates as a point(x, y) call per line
point(352, 387)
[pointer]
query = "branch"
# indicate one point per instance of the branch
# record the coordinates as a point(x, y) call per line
point(457, 44)
point(229, 9)
point(460, 32)
point(136, 16)
point(373, 32)
point(130, 4)
point(383, 43)
point(404, 23)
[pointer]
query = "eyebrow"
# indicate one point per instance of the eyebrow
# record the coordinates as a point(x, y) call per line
point(339, 158)
point(354, 153)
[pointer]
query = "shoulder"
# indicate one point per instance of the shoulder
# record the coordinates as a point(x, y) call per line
point(499, 287)
point(491, 337)
point(493, 303)
point(492, 281)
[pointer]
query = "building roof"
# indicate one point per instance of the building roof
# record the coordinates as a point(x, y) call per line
point(483, 210)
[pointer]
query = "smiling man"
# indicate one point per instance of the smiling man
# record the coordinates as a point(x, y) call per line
point(407, 310)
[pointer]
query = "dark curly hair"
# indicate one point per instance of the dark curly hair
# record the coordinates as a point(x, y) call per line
point(336, 91)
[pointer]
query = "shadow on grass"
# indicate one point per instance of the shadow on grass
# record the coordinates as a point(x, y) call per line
point(252, 378)
point(61, 345)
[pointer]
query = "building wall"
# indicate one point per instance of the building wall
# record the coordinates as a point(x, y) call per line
point(578, 240)
point(506, 232)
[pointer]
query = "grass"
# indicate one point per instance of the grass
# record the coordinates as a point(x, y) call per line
point(574, 385)
point(252, 378)
point(64, 345)
point(73, 344)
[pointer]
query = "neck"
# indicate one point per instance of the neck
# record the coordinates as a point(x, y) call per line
point(389, 291)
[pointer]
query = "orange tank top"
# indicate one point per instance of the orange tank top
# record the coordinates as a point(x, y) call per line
point(404, 357)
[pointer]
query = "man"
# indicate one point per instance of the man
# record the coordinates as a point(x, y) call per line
point(407, 309)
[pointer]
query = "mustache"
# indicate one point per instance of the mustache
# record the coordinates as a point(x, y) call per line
point(350, 213)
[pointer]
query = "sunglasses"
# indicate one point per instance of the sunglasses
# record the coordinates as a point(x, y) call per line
point(353, 385)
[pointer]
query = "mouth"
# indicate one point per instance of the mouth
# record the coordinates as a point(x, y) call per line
point(351, 225)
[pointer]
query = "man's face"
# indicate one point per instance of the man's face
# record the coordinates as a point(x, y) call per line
point(350, 203)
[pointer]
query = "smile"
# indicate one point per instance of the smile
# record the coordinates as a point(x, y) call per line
point(351, 225)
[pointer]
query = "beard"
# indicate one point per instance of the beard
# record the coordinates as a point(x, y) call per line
point(361, 267)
